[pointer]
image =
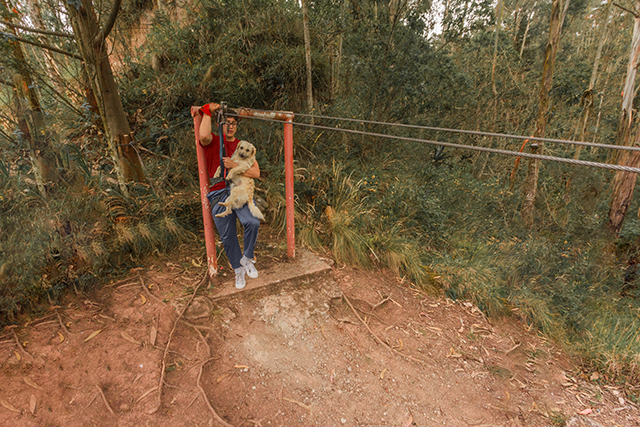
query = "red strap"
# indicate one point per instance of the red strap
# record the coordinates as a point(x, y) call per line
point(205, 109)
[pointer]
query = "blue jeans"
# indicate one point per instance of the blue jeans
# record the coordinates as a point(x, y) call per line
point(227, 227)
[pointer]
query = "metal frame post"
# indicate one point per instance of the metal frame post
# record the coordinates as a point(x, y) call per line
point(203, 177)
point(288, 173)
point(287, 118)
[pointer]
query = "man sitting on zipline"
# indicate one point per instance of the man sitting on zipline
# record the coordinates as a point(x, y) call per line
point(218, 192)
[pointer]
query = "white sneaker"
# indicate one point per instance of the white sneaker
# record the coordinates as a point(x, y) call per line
point(249, 267)
point(240, 281)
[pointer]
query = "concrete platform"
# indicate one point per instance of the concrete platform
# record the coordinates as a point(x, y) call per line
point(306, 265)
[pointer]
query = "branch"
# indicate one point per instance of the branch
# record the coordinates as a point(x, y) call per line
point(166, 349)
point(8, 137)
point(626, 10)
point(60, 96)
point(33, 30)
point(44, 46)
point(8, 83)
point(110, 22)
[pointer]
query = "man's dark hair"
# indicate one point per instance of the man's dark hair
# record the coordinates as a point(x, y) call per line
point(234, 114)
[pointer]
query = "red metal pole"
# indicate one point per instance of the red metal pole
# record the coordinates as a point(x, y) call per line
point(209, 235)
point(287, 117)
point(288, 173)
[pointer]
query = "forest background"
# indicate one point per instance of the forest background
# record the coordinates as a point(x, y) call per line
point(98, 165)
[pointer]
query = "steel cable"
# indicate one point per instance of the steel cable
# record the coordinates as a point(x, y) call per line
point(474, 132)
point(467, 147)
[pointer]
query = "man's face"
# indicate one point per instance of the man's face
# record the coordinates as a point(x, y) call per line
point(230, 127)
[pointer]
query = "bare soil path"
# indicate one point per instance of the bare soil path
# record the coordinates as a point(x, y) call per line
point(344, 348)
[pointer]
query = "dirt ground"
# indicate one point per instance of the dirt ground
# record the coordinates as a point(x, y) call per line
point(345, 348)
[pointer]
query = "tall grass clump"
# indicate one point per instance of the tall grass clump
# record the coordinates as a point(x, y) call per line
point(344, 211)
point(346, 216)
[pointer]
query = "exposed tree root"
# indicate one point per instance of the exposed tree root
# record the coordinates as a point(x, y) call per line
point(104, 399)
point(64, 328)
point(166, 349)
point(147, 291)
point(22, 350)
point(206, 399)
point(384, 344)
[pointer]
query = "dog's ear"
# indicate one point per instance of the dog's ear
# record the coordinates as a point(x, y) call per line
point(253, 150)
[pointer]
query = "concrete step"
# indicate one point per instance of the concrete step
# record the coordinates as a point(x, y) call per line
point(305, 265)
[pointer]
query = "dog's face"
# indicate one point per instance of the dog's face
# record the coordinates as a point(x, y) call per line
point(245, 150)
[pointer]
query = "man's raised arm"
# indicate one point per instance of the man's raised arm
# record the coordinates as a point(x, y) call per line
point(205, 126)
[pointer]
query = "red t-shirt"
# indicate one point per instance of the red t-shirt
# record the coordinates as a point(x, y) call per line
point(212, 156)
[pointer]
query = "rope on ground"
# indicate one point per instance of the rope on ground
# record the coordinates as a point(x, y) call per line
point(475, 148)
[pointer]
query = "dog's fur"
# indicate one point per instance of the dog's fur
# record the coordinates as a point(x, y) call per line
point(241, 187)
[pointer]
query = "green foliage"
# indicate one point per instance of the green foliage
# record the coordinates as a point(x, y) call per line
point(465, 18)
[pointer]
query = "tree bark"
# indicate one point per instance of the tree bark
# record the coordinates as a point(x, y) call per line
point(555, 29)
point(495, 48)
point(624, 183)
point(29, 111)
point(92, 45)
point(519, 10)
point(307, 51)
point(51, 65)
point(494, 89)
point(588, 95)
point(526, 32)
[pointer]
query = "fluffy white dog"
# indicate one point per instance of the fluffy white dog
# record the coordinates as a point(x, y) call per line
point(241, 187)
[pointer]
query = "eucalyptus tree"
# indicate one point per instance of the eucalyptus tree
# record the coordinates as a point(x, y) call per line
point(624, 183)
point(27, 102)
point(91, 40)
point(558, 13)
point(307, 54)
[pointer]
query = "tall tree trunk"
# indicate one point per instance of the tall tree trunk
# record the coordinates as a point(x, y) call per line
point(493, 85)
point(495, 48)
point(307, 52)
point(445, 15)
point(526, 32)
point(92, 45)
point(336, 70)
point(588, 95)
point(624, 183)
point(394, 11)
point(51, 66)
point(29, 111)
point(518, 19)
point(156, 58)
point(555, 30)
